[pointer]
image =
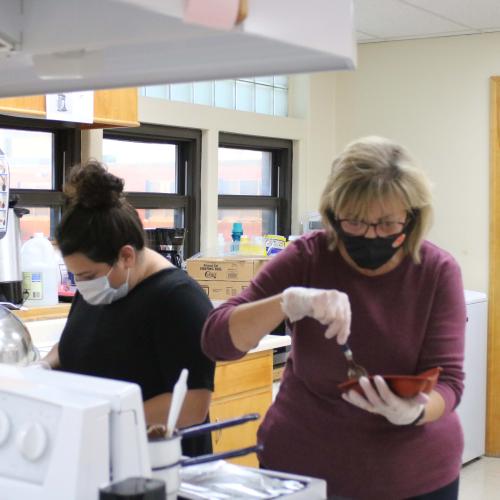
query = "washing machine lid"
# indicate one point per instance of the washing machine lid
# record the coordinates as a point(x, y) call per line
point(472, 296)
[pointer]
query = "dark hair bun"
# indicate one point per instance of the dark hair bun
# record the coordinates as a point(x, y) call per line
point(92, 186)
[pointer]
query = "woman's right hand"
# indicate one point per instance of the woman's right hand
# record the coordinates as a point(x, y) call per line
point(329, 307)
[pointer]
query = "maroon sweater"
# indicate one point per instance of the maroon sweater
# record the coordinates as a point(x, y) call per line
point(403, 322)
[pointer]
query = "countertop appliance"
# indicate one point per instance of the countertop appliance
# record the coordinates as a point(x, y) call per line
point(63, 436)
point(472, 408)
point(11, 277)
point(66, 436)
point(201, 482)
point(167, 241)
point(16, 345)
point(311, 221)
point(4, 192)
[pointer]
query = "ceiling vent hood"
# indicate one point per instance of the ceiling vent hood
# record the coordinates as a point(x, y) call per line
point(49, 46)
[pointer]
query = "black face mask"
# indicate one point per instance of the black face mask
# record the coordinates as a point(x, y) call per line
point(369, 253)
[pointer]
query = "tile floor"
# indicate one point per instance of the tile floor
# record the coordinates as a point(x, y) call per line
point(480, 480)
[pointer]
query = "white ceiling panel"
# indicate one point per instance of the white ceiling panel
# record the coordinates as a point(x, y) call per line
point(393, 19)
point(478, 14)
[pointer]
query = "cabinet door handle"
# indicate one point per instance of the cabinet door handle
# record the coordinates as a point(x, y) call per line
point(218, 433)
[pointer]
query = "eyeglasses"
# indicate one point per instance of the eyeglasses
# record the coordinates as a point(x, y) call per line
point(383, 229)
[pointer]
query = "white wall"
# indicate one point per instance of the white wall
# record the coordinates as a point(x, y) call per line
point(433, 97)
point(321, 133)
point(91, 144)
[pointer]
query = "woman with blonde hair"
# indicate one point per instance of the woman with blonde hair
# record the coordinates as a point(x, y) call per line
point(370, 277)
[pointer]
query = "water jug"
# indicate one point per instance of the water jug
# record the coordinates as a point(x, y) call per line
point(40, 272)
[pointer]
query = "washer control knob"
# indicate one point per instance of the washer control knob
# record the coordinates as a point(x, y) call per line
point(4, 427)
point(32, 441)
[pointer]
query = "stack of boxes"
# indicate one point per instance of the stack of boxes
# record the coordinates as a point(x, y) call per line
point(224, 277)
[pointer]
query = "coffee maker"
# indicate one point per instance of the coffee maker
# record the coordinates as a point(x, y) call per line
point(168, 242)
point(11, 277)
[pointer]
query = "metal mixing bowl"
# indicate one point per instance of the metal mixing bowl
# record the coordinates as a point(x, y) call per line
point(16, 346)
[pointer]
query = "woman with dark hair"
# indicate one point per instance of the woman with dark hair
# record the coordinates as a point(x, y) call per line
point(136, 317)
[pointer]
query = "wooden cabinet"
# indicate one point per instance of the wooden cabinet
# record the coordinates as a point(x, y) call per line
point(33, 106)
point(43, 313)
point(243, 386)
point(112, 108)
point(115, 108)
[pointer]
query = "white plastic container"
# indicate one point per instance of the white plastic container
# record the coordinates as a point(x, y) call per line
point(40, 272)
point(165, 455)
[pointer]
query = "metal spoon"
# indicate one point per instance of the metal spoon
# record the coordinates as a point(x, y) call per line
point(354, 371)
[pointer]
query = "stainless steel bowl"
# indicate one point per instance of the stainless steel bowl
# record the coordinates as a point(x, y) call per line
point(16, 346)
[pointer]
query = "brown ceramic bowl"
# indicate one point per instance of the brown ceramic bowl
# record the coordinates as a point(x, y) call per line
point(405, 386)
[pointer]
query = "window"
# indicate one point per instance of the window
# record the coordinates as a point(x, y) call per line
point(40, 154)
point(39, 220)
point(245, 171)
point(264, 94)
point(256, 222)
point(30, 156)
point(146, 167)
point(255, 182)
point(161, 169)
point(159, 217)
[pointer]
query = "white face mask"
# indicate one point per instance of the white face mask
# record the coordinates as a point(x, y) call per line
point(100, 292)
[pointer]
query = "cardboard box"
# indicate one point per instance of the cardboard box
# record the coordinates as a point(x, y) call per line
point(223, 290)
point(225, 269)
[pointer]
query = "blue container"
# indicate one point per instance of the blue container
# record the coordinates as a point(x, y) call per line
point(236, 234)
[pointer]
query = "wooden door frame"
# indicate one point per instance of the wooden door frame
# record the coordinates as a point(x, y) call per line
point(493, 388)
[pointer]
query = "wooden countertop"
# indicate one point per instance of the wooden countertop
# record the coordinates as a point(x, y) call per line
point(41, 313)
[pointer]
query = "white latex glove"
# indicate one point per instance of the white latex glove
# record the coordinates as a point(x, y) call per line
point(399, 411)
point(329, 307)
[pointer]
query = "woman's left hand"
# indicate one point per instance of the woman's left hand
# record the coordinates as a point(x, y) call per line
point(381, 400)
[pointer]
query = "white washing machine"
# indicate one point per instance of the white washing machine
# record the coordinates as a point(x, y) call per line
point(472, 408)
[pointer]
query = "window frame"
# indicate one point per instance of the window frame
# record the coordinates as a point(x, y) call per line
point(188, 142)
point(281, 178)
point(66, 152)
point(255, 82)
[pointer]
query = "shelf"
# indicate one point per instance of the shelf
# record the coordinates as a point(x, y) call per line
point(112, 108)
